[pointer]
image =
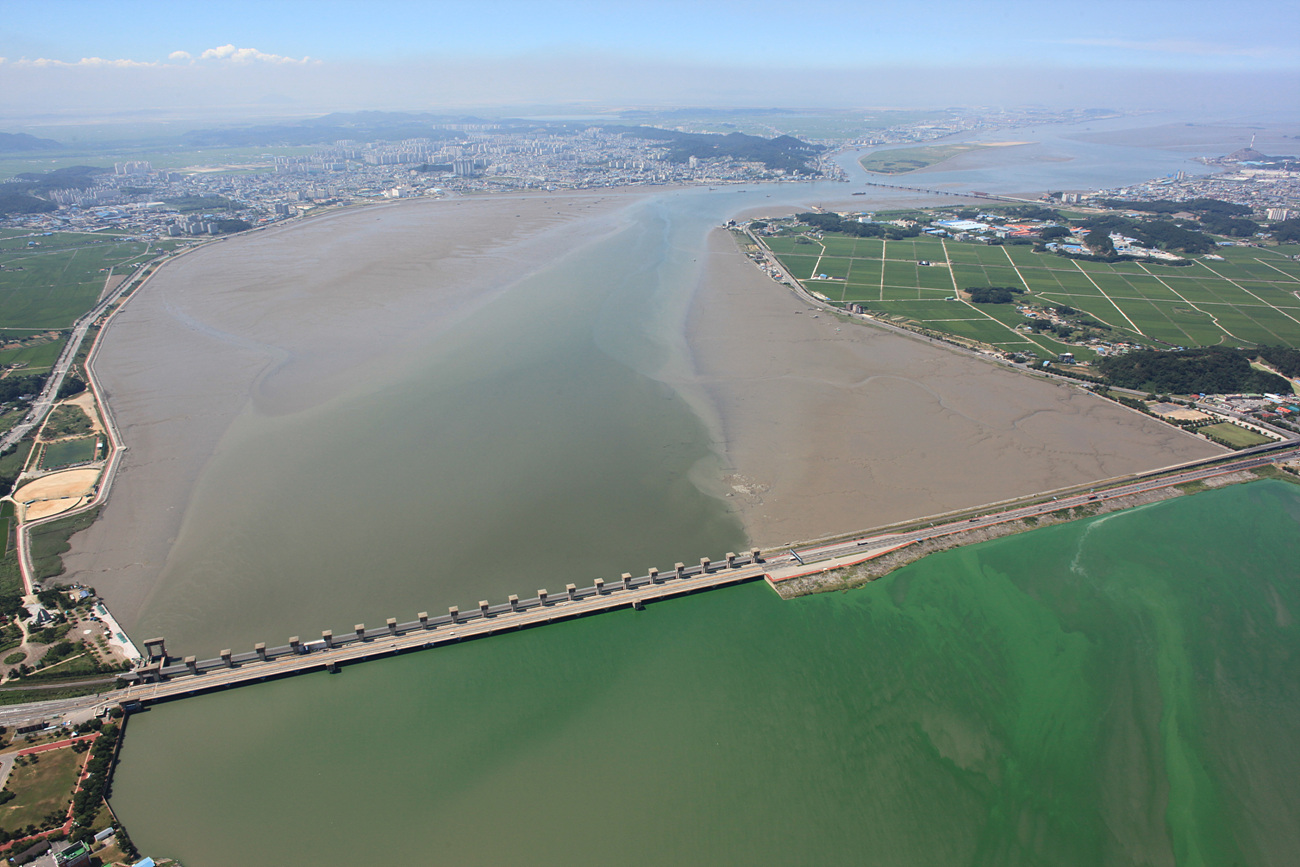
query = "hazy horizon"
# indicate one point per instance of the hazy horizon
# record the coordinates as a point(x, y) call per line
point(292, 59)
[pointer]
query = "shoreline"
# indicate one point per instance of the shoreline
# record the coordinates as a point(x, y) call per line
point(879, 564)
point(830, 425)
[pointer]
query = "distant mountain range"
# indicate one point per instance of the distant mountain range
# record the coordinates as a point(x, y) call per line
point(327, 129)
point(21, 142)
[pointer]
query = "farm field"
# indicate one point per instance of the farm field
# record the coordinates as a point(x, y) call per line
point(50, 286)
point(1252, 297)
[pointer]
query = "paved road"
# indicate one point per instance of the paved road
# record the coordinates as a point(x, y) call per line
point(67, 709)
point(866, 545)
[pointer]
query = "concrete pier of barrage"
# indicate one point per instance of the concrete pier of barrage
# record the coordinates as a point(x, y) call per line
point(163, 677)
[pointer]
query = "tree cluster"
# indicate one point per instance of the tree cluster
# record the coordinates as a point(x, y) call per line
point(1032, 212)
point(835, 223)
point(994, 294)
point(1287, 231)
point(1233, 227)
point(1060, 329)
point(1099, 242)
point(1284, 358)
point(14, 387)
point(1152, 233)
point(71, 385)
point(1201, 206)
point(783, 152)
point(1215, 370)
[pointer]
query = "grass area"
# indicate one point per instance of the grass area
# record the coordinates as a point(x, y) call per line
point(1234, 435)
point(68, 452)
point(38, 354)
point(1251, 298)
point(51, 285)
point(50, 541)
point(66, 420)
point(902, 160)
point(41, 787)
point(13, 461)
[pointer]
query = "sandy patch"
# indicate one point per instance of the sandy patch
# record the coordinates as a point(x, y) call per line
point(86, 401)
point(55, 493)
point(830, 427)
point(48, 508)
point(65, 484)
point(1178, 413)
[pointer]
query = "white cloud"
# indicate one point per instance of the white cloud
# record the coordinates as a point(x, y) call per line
point(232, 54)
point(85, 61)
point(221, 54)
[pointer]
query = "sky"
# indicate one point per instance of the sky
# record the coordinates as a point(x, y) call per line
point(65, 57)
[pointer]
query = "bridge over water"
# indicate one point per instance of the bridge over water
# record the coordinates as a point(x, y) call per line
point(163, 677)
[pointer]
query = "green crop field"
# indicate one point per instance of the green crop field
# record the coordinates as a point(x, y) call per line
point(67, 452)
point(51, 285)
point(37, 357)
point(1251, 297)
point(1235, 435)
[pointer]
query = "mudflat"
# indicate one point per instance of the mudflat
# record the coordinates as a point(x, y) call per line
point(829, 427)
point(276, 322)
point(823, 427)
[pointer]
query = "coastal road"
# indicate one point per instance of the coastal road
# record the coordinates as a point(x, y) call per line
point(869, 546)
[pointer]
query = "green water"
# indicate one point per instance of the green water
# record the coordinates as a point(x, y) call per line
point(1115, 691)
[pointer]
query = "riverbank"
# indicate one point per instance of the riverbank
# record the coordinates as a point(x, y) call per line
point(858, 574)
point(827, 426)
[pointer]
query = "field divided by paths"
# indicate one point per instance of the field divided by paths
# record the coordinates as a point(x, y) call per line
point(1250, 297)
